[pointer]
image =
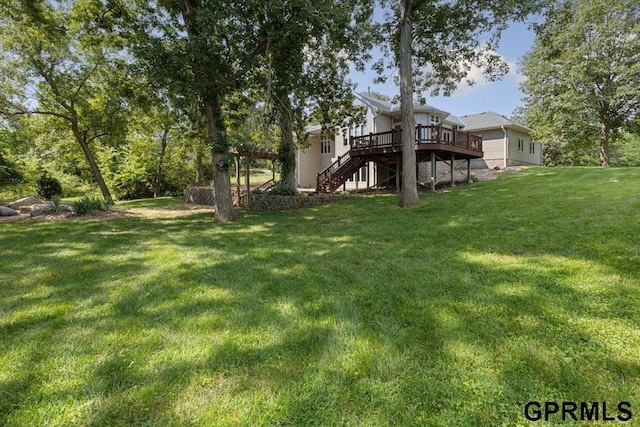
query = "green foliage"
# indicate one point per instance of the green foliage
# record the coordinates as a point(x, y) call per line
point(63, 65)
point(88, 204)
point(626, 152)
point(48, 186)
point(283, 190)
point(448, 38)
point(10, 174)
point(54, 205)
point(582, 78)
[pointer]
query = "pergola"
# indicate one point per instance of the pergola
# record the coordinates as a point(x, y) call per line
point(251, 153)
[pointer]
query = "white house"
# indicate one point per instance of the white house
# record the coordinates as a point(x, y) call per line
point(504, 142)
point(369, 153)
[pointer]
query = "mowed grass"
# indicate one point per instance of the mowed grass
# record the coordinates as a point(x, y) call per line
point(454, 313)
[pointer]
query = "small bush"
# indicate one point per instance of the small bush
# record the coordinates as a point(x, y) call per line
point(283, 190)
point(54, 205)
point(87, 205)
point(48, 187)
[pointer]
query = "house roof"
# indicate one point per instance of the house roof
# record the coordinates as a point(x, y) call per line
point(391, 108)
point(455, 120)
point(489, 120)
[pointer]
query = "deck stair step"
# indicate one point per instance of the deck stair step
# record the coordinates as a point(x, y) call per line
point(336, 174)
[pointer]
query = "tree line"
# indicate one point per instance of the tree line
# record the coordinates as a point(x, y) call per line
point(99, 89)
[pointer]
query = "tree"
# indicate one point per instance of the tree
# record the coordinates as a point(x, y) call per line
point(582, 75)
point(203, 51)
point(9, 172)
point(61, 64)
point(309, 47)
point(434, 45)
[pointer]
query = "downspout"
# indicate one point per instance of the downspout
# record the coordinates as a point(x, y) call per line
point(506, 145)
point(298, 167)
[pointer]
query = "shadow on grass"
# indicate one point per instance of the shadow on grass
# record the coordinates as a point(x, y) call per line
point(454, 313)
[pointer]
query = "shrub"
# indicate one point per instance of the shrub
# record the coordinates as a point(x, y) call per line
point(283, 190)
point(87, 205)
point(54, 205)
point(48, 187)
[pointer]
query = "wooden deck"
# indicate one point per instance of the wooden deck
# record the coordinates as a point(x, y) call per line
point(432, 143)
point(438, 139)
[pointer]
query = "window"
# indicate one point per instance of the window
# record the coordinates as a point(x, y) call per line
point(435, 120)
point(325, 146)
point(345, 137)
point(360, 175)
point(363, 173)
point(363, 129)
point(532, 147)
point(520, 144)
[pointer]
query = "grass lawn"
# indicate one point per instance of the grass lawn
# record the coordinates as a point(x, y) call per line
point(454, 313)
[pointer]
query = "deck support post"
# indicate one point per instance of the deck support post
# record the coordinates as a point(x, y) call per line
point(238, 179)
point(247, 180)
point(368, 174)
point(453, 178)
point(273, 170)
point(433, 171)
point(468, 171)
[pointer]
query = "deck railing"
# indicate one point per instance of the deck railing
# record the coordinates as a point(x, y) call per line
point(424, 135)
point(325, 174)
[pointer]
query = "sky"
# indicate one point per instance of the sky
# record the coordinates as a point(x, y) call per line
point(502, 97)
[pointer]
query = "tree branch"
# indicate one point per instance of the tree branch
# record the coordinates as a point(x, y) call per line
point(26, 112)
point(52, 84)
point(88, 74)
point(260, 49)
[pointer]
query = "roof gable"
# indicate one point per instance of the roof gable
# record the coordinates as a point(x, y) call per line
point(489, 120)
point(391, 108)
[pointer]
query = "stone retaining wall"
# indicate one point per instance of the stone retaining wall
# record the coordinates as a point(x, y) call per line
point(269, 202)
point(200, 195)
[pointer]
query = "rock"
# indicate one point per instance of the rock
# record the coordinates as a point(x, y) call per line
point(5, 211)
point(40, 208)
point(27, 201)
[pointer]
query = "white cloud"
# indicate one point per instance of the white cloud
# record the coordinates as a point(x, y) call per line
point(476, 75)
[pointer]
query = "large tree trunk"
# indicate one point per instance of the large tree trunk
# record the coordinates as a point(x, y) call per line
point(605, 132)
point(220, 160)
point(287, 149)
point(163, 150)
point(106, 194)
point(409, 192)
point(216, 131)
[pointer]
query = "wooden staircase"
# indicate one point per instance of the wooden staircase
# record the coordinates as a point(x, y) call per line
point(242, 197)
point(337, 173)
